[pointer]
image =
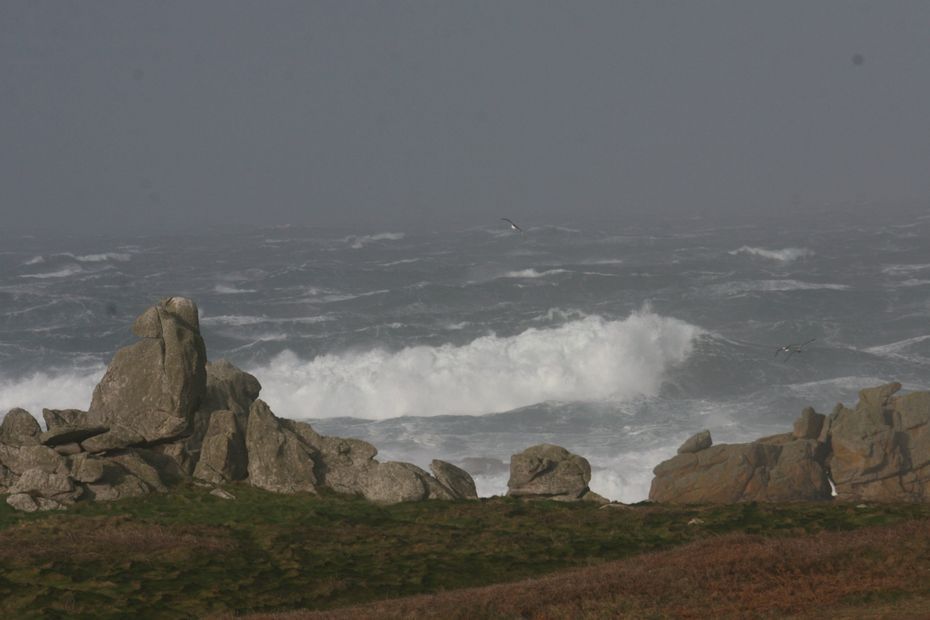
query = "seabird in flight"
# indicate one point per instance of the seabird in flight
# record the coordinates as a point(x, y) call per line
point(791, 349)
point(513, 226)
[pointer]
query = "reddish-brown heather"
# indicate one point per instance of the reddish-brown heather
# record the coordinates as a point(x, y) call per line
point(873, 572)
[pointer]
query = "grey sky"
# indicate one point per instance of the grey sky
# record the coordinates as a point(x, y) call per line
point(401, 115)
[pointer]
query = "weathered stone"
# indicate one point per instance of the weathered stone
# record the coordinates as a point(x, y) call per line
point(696, 443)
point(18, 459)
point(38, 482)
point(68, 449)
point(223, 457)
point(880, 451)
point(63, 417)
point(89, 468)
point(70, 434)
point(279, 460)
point(132, 462)
point(19, 428)
point(548, 471)
point(341, 464)
point(116, 438)
point(458, 481)
point(154, 386)
point(125, 486)
point(809, 425)
point(392, 482)
point(759, 471)
point(22, 502)
point(229, 388)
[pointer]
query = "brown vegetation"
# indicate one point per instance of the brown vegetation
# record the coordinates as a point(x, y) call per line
point(872, 572)
point(54, 539)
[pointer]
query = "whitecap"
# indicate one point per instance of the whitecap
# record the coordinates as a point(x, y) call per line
point(766, 286)
point(785, 255)
point(223, 289)
point(62, 390)
point(587, 359)
point(360, 241)
point(532, 273)
point(61, 273)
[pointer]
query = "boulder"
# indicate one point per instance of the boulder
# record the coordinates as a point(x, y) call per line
point(772, 471)
point(63, 417)
point(68, 449)
point(19, 428)
point(393, 482)
point(548, 471)
point(341, 464)
point(90, 468)
point(154, 386)
point(116, 438)
point(27, 503)
point(696, 443)
point(229, 388)
point(19, 459)
point(133, 462)
point(57, 487)
point(880, 450)
point(67, 433)
point(458, 481)
point(279, 460)
point(809, 425)
point(223, 456)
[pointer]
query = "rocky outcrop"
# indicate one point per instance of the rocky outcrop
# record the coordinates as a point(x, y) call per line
point(223, 456)
point(457, 480)
point(779, 468)
point(154, 386)
point(162, 414)
point(877, 451)
point(696, 443)
point(19, 428)
point(279, 460)
point(880, 450)
point(550, 472)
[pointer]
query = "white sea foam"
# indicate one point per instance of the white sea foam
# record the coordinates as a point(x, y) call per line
point(532, 273)
point(749, 286)
point(894, 270)
point(65, 390)
point(785, 255)
point(240, 320)
point(586, 359)
point(224, 289)
point(97, 258)
point(360, 241)
point(402, 261)
point(35, 260)
point(61, 273)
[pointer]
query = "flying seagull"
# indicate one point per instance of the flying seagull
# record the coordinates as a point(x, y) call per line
point(791, 349)
point(513, 226)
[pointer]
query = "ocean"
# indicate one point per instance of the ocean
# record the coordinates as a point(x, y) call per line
point(615, 342)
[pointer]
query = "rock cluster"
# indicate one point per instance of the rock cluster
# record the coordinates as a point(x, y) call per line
point(547, 471)
point(877, 451)
point(163, 414)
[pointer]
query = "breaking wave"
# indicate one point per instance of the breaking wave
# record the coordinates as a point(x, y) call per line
point(532, 273)
point(583, 360)
point(67, 390)
point(785, 255)
point(360, 241)
point(748, 286)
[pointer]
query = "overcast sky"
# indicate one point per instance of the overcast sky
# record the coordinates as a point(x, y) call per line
point(435, 115)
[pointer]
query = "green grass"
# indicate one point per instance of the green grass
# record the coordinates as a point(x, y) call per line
point(187, 553)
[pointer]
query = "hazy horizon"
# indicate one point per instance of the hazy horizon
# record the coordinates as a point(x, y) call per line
point(172, 117)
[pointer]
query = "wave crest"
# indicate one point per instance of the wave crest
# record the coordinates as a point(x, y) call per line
point(785, 255)
point(586, 359)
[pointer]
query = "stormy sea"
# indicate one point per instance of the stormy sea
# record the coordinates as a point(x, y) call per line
point(616, 342)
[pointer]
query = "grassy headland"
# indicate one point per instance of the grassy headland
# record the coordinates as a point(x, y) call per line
point(189, 554)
